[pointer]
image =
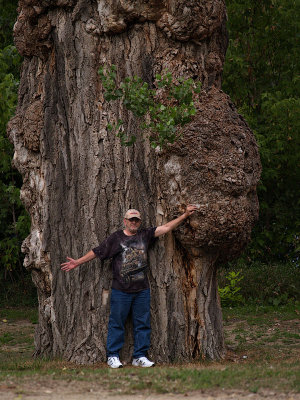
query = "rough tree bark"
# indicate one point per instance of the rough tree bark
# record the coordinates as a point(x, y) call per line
point(78, 180)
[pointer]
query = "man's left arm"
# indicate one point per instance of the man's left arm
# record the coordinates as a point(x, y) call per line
point(169, 226)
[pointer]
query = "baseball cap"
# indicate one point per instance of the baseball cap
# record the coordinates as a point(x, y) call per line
point(132, 213)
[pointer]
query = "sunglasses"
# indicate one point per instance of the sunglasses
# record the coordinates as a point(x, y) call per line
point(133, 219)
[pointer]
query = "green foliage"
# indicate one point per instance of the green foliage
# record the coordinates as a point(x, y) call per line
point(262, 77)
point(162, 118)
point(7, 19)
point(230, 294)
point(14, 221)
point(273, 284)
point(9, 72)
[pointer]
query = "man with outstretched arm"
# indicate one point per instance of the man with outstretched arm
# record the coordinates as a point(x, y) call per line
point(130, 286)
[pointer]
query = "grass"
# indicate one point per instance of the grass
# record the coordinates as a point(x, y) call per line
point(6, 338)
point(18, 293)
point(163, 379)
point(264, 333)
point(16, 314)
point(262, 313)
point(265, 341)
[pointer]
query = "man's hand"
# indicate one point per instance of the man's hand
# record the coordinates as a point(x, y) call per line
point(169, 226)
point(67, 266)
point(190, 209)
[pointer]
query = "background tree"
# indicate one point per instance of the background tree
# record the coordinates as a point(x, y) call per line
point(262, 77)
point(78, 180)
point(14, 221)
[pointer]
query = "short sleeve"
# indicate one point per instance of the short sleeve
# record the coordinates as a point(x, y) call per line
point(108, 248)
point(149, 234)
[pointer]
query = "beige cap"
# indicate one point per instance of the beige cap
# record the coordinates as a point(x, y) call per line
point(132, 213)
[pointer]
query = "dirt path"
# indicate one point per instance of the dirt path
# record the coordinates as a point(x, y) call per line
point(50, 390)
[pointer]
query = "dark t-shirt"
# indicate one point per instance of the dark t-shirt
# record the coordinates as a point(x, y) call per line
point(129, 258)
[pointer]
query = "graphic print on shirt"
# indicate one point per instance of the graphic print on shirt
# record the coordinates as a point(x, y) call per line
point(134, 262)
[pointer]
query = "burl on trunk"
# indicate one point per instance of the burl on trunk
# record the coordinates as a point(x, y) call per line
point(79, 180)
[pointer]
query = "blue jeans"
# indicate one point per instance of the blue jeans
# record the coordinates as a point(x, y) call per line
point(120, 305)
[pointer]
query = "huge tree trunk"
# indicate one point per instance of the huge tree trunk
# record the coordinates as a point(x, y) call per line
point(79, 180)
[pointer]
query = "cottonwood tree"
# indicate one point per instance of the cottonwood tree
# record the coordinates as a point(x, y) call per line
point(79, 179)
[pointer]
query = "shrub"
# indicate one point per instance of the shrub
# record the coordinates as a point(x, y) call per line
point(274, 283)
point(230, 294)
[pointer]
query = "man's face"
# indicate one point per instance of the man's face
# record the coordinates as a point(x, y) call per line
point(132, 224)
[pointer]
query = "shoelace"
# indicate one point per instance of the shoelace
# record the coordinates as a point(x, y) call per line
point(113, 360)
point(143, 361)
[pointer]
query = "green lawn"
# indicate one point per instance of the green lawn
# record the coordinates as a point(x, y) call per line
point(263, 353)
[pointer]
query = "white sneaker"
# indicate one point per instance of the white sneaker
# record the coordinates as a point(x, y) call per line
point(114, 362)
point(142, 362)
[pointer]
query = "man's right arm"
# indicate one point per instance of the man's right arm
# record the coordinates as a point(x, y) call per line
point(67, 266)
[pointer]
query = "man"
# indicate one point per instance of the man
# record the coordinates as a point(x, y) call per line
point(130, 287)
